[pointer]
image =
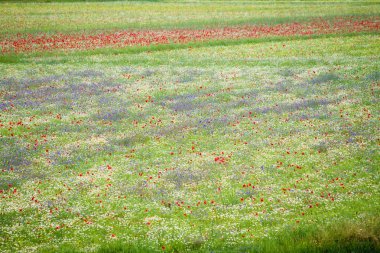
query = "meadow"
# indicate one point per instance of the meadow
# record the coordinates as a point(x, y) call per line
point(202, 126)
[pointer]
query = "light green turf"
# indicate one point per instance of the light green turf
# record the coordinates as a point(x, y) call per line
point(99, 16)
point(318, 96)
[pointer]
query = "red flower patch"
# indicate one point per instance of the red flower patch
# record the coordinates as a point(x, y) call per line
point(220, 159)
point(43, 42)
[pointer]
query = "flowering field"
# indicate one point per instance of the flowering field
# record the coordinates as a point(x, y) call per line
point(190, 132)
point(32, 43)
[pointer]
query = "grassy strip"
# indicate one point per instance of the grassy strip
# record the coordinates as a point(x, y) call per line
point(196, 1)
point(108, 16)
point(345, 237)
point(191, 24)
point(23, 57)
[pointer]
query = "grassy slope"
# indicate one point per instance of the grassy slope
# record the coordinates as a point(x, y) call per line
point(100, 16)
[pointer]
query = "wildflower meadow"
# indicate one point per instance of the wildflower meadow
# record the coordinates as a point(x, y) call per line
point(189, 126)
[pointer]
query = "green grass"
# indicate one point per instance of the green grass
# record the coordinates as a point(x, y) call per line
point(109, 16)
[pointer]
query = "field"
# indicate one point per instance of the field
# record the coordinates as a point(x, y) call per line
point(202, 126)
